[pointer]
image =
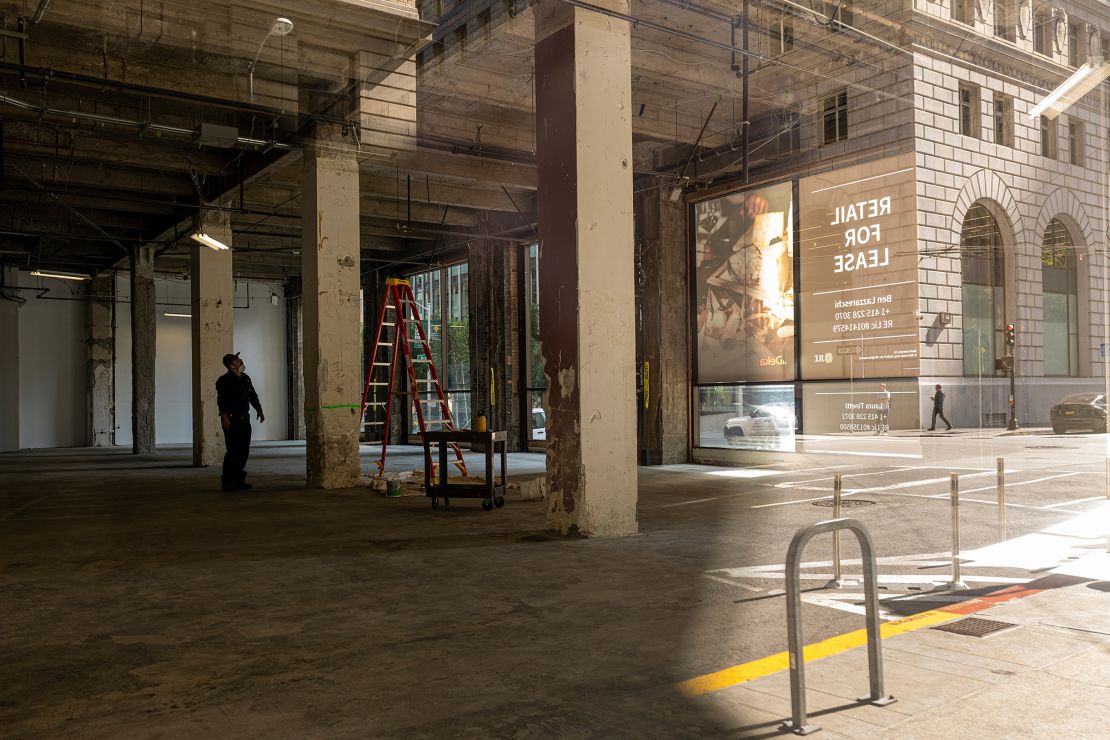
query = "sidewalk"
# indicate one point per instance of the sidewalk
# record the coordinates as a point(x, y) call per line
point(1047, 674)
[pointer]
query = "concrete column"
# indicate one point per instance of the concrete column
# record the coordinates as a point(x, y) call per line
point(9, 366)
point(584, 159)
point(102, 349)
point(330, 274)
point(210, 283)
point(665, 406)
point(490, 311)
point(143, 348)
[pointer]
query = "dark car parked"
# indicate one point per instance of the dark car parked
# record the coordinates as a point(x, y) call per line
point(1085, 411)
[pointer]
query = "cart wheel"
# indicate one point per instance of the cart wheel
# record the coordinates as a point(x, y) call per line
point(499, 501)
point(435, 502)
point(487, 505)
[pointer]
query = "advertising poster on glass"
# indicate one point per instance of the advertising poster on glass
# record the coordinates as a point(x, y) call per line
point(869, 408)
point(859, 271)
point(745, 286)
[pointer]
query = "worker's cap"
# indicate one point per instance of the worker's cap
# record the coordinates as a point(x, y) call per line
point(228, 359)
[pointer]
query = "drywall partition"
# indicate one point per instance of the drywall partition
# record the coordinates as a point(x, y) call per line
point(259, 336)
point(52, 358)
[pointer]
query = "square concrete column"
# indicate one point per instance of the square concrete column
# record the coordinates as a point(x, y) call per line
point(210, 283)
point(330, 274)
point(584, 159)
point(665, 407)
point(143, 348)
point(101, 352)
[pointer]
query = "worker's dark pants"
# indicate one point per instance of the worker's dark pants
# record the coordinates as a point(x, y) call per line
point(237, 440)
point(939, 412)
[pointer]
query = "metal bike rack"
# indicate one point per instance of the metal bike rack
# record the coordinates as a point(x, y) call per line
point(878, 697)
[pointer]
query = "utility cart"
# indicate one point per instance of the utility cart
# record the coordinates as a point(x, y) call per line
point(438, 486)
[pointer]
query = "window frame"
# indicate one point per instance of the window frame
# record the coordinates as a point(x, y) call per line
point(1077, 150)
point(839, 116)
point(970, 124)
point(1049, 135)
point(1003, 119)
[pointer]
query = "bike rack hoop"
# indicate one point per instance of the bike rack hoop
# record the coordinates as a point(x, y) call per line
point(877, 696)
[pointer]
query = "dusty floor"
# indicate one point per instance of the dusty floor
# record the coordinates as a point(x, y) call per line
point(141, 602)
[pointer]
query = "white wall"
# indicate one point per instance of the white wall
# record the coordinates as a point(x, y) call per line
point(53, 360)
point(259, 336)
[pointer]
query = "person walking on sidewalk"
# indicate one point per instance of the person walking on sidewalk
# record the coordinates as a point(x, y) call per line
point(938, 410)
point(883, 397)
point(235, 395)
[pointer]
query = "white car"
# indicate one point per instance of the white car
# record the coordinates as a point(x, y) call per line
point(539, 425)
point(768, 420)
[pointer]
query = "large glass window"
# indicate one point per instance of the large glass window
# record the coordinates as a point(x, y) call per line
point(1061, 302)
point(758, 417)
point(537, 415)
point(442, 298)
point(984, 303)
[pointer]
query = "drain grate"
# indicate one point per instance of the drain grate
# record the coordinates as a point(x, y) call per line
point(974, 627)
point(848, 503)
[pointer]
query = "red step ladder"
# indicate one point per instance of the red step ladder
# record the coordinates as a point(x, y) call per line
point(392, 340)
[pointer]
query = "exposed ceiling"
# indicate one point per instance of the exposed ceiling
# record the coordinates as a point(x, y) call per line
point(101, 105)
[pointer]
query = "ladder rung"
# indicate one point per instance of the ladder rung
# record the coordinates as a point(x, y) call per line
point(388, 323)
point(381, 364)
point(375, 403)
point(385, 344)
point(375, 382)
point(374, 423)
point(421, 360)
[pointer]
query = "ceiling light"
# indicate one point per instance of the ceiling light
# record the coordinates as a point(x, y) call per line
point(60, 275)
point(177, 315)
point(281, 27)
point(1071, 90)
point(201, 238)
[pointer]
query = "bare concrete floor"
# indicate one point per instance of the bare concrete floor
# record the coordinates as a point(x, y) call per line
point(139, 601)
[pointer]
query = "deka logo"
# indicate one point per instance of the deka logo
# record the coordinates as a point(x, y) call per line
point(770, 361)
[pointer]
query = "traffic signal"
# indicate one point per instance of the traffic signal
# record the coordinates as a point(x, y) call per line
point(1011, 340)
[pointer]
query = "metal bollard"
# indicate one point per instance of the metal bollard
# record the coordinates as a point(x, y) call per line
point(838, 578)
point(1001, 498)
point(957, 582)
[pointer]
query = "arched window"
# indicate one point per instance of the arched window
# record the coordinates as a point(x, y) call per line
point(1043, 30)
point(1061, 301)
point(984, 297)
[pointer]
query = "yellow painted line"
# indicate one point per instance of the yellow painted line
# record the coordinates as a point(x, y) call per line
point(744, 672)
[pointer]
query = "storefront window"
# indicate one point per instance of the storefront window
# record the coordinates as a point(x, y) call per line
point(442, 298)
point(747, 417)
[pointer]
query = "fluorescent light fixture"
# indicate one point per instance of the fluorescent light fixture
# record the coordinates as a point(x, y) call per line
point(178, 315)
point(1071, 90)
point(201, 238)
point(60, 275)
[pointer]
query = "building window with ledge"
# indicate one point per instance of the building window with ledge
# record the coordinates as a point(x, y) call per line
point(962, 11)
point(1076, 150)
point(1048, 137)
point(780, 35)
point(1060, 283)
point(1003, 120)
point(835, 118)
point(1043, 30)
point(969, 110)
point(1005, 26)
point(983, 291)
point(1075, 36)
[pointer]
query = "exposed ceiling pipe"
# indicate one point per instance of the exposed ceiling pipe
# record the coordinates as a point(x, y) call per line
point(142, 125)
point(39, 11)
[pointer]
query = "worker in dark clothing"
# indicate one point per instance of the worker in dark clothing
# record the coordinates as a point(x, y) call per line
point(235, 395)
point(938, 410)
